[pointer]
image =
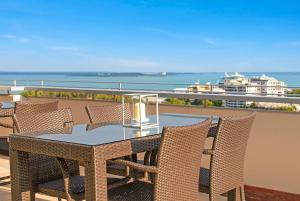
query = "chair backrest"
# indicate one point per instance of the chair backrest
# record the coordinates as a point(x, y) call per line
point(106, 114)
point(178, 162)
point(229, 146)
point(35, 107)
point(43, 121)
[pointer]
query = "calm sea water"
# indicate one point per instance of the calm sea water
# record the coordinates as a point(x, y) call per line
point(292, 79)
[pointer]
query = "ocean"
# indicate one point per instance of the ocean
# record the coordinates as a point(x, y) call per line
point(175, 80)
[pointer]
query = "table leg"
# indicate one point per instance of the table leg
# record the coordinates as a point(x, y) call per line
point(96, 180)
point(20, 179)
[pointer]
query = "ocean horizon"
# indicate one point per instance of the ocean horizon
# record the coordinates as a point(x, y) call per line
point(173, 79)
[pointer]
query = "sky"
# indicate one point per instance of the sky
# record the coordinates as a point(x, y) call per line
point(150, 36)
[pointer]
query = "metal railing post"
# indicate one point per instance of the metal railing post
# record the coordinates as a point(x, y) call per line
point(120, 86)
point(15, 83)
point(42, 83)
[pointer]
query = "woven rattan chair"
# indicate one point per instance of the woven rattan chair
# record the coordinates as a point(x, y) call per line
point(29, 107)
point(26, 123)
point(111, 114)
point(227, 158)
point(108, 114)
point(6, 120)
point(176, 173)
point(43, 168)
point(6, 115)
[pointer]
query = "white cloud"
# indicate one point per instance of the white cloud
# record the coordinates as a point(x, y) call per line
point(20, 39)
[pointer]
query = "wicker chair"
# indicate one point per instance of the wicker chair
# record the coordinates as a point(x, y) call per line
point(6, 115)
point(227, 158)
point(26, 123)
point(43, 168)
point(6, 120)
point(28, 107)
point(35, 107)
point(108, 114)
point(111, 114)
point(176, 173)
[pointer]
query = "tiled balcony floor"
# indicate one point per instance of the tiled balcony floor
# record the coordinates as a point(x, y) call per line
point(252, 193)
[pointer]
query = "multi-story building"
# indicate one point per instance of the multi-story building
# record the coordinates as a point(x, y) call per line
point(239, 84)
point(269, 86)
point(206, 88)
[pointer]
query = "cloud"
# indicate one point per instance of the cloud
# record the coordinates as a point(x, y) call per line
point(20, 39)
point(182, 36)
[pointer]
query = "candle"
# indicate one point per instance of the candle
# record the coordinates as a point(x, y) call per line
point(142, 133)
point(139, 115)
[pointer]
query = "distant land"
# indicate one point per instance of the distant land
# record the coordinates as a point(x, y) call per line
point(175, 79)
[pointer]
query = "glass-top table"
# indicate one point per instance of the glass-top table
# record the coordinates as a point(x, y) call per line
point(7, 105)
point(93, 145)
point(94, 134)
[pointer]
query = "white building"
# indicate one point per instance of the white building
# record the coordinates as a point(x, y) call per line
point(269, 86)
point(239, 84)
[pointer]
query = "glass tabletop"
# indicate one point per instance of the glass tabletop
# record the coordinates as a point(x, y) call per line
point(93, 135)
point(7, 105)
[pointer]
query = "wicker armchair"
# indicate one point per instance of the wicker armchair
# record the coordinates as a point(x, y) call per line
point(26, 107)
point(44, 168)
point(6, 115)
point(111, 114)
point(26, 123)
point(176, 173)
point(227, 158)
point(6, 120)
point(108, 114)
point(35, 107)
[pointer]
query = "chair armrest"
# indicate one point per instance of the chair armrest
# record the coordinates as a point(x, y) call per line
point(138, 166)
point(208, 152)
point(66, 177)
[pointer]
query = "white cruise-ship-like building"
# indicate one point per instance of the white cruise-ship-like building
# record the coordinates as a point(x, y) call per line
point(263, 85)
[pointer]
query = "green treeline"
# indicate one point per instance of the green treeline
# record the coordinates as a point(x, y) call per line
point(184, 101)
